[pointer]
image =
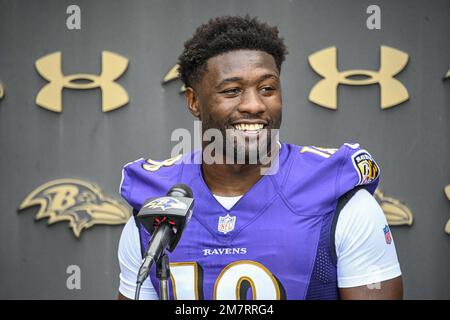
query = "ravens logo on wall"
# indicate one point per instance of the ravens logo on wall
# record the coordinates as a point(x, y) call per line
point(81, 203)
point(397, 214)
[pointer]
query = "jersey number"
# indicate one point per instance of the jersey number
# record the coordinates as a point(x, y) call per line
point(231, 284)
point(323, 152)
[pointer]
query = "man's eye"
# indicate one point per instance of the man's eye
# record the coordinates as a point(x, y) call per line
point(267, 89)
point(232, 91)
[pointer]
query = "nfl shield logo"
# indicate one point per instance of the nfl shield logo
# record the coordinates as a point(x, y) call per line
point(226, 224)
point(387, 234)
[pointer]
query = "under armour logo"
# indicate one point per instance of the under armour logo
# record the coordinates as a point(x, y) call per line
point(392, 91)
point(113, 95)
point(173, 74)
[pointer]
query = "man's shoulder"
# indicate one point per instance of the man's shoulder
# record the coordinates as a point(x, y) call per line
point(325, 174)
point(315, 154)
point(149, 165)
point(147, 177)
point(149, 169)
point(310, 159)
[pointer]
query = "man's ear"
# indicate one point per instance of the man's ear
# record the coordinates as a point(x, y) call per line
point(192, 102)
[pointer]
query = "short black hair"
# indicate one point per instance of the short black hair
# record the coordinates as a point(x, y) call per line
point(228, 33)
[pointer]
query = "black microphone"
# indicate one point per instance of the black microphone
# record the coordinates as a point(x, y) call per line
point(165, 219)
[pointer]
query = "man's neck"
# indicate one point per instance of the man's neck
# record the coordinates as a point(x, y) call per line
point(230, 179)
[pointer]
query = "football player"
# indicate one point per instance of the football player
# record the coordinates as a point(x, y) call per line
point(307, 228)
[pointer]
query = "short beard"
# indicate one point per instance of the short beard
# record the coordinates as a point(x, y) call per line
point(228, 145)
point(249, 150)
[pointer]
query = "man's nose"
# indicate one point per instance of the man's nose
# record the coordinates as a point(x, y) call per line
point(251, 102)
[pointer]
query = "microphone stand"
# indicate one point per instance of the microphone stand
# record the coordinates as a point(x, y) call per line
point(163, 274)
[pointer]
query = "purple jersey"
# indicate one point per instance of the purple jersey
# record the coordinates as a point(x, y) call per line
point(274, 243)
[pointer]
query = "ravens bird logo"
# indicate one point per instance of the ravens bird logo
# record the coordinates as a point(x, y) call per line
point(397, 214)
point(79, 202)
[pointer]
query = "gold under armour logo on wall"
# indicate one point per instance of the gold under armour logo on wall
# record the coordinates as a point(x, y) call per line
point(113, 95)
point(80, 203)
point(2, 91)
point(173, 74)
point(392, 91)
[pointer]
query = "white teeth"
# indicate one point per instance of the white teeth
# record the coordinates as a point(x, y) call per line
point(248, 127)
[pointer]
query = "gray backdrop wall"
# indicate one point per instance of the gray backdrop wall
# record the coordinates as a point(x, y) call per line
point(410, 141)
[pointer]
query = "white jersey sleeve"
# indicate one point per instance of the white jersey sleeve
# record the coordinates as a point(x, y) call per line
point(365, 253)
point(130, 261)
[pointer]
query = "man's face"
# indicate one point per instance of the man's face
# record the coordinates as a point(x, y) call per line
point(240, 93)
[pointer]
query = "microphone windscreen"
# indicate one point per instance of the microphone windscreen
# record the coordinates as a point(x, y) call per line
point(180, 190)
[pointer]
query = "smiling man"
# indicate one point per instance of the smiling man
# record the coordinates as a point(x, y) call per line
point(307, 228)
